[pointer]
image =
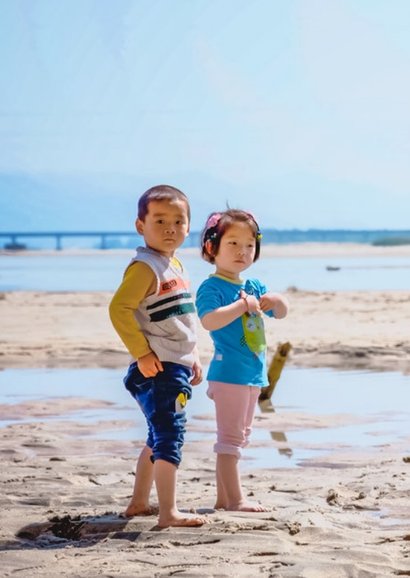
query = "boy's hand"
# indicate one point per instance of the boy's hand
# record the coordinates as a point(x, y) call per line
point(197, 369)
point(149, 365)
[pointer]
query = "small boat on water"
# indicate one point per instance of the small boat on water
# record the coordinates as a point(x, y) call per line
point(332, 268)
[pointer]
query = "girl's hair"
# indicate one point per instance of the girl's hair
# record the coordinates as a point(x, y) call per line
point(216, 226)
point(161, 193)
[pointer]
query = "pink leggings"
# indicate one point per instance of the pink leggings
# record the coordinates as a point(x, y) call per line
point(235, 407)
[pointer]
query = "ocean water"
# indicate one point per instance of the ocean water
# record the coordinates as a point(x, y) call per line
point(103, 272)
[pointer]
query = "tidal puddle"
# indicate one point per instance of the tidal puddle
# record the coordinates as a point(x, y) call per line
point(317, 413)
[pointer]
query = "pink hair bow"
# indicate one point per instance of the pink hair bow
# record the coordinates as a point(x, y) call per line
point(213, 220)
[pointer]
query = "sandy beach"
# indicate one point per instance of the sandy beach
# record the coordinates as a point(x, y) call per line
point(327, 329)
point(63, 484)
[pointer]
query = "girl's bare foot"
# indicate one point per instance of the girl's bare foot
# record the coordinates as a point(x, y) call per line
point(179, 519)
point(247, 507)
point(139, 510)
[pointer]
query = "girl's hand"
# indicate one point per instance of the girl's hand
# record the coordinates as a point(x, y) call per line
point(252, 303)
point(197, 369)
point(149, 365)
point(274, 302)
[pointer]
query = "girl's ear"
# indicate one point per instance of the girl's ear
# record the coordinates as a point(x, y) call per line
point(209, 248)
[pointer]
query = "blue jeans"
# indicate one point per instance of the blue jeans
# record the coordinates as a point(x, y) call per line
point(162, 400)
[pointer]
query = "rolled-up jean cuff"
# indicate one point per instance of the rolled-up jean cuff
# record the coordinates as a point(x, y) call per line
point(165, 458)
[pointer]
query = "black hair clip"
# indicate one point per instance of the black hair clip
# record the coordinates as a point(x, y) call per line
point(211, 234)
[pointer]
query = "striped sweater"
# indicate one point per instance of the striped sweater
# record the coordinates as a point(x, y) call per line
point(167, 317)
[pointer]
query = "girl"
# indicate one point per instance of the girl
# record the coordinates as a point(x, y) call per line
point(231, 310)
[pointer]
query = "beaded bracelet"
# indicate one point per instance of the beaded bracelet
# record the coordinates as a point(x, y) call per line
point(245, 298)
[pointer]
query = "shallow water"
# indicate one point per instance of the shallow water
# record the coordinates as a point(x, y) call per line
point(380, 402)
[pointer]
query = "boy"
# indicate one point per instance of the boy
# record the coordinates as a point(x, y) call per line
point(153, 312)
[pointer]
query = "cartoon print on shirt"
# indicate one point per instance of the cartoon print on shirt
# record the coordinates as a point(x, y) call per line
point(253, 332)
point(253, 328)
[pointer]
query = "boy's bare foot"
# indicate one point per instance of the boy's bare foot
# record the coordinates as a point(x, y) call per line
point(139, 510)
point(180, 519)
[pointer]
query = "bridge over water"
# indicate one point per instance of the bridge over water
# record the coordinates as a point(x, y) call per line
point(14, 240)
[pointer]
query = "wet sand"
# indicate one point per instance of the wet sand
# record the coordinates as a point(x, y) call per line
point(62, 493)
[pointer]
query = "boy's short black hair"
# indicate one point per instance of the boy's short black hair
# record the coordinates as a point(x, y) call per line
point(161, 193)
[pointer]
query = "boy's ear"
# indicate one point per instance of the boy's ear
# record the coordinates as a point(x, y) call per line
point(139, 225)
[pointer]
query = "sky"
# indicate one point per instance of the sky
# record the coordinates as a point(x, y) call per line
point(297, 110)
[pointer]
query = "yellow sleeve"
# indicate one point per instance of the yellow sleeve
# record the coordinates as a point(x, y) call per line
point(139, 281)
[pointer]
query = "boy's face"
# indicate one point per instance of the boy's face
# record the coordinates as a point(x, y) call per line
point(165, 226)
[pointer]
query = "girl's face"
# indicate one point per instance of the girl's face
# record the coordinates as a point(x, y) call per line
point(236, 251)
